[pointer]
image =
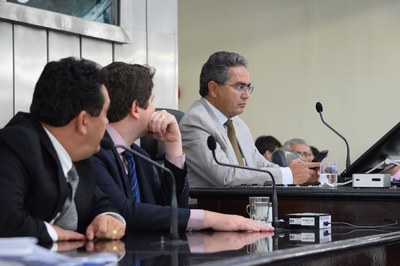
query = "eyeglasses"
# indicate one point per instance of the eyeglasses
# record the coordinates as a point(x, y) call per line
point(241, 87)
point(305, 154)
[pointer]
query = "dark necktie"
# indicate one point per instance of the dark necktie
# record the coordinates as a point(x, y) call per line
point(132, 175)
point(233, 140)
point(68, 218)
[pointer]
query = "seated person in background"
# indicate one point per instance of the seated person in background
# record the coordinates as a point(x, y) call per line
point(225, 88)
point(132, 115)
point(39, 150)
point(266, 145)
point(301, 147)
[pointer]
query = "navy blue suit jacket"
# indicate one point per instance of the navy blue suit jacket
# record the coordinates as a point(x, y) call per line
point(153, 213)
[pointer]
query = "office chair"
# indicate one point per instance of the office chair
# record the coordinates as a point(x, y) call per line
point(282, 157)
point(153, 147)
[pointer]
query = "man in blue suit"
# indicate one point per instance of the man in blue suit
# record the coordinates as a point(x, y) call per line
point(131, 116)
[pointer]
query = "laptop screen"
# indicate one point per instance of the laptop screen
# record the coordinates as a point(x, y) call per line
point(388, 145)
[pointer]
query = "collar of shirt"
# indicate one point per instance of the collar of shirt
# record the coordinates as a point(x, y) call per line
point(218, 114)
point(63, 156)
point(116, 138)
point(178, 161)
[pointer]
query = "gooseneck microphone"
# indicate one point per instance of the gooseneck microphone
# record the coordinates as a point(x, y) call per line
point(319, 108)
point(212, 145)
point(107, 144)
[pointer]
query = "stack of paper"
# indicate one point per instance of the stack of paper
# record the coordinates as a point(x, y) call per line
point(25, 251)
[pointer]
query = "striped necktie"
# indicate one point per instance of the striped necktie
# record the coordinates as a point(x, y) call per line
point(68, 218)
point(233, 140)
point(132, 175)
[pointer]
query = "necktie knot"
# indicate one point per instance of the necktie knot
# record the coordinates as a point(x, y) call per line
point(229, 124)
point(127, 154)
point(72, 174)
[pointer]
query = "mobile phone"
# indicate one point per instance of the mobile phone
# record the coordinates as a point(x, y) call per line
point(320, 156)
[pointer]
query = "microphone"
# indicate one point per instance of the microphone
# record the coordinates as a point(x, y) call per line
point(107, 144)
point(212, 145)
point(319, 108)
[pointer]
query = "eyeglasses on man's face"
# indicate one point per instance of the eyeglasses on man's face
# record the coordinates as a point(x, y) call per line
point(305, 155)
point(241, 87)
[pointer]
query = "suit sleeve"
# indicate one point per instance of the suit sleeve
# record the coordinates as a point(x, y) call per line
point(138, 216)
point(25, 203)
point(89, 199)
point(182, 184)
point(196, 126)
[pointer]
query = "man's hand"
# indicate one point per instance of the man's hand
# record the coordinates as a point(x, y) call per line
point(65, 235)
point(164, 127)
point(228, 222)
point(63, 246)
point(114, 246)
point(304, 172)
point(222, 241)
point(105, 227)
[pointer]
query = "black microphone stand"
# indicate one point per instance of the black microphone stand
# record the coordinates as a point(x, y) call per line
point(345, 141)
point(275, 220)
point(319, 110)
point(174, 203)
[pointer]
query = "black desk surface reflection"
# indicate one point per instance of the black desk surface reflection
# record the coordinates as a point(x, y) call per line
point(335, 246)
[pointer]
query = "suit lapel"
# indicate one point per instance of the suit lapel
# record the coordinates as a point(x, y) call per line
point(221, 128)
point(60, 178)
point(62, 185)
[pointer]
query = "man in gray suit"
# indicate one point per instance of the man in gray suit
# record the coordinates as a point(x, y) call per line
point(225, 88)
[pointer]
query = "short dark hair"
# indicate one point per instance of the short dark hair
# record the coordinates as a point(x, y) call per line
point(127, 83)
point(65, 88)
point(267, 143)
point(217, 69)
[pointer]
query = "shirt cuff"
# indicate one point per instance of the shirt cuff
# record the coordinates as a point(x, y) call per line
point(52, 232)
point(396, 176)
point(178, 161)
point(196, 220)
point(115, 215)
point(195, 242)
point(287, 176)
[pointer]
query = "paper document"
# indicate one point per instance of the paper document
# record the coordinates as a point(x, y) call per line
point(25, 251)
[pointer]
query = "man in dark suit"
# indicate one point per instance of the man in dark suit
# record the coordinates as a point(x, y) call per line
point(132, 115)
point(39, 150)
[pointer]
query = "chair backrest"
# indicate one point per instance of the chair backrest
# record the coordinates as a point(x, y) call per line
point(283, 158)
point(153, 147)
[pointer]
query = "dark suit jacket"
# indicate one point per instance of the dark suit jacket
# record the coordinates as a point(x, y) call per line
point(33, 188)
point(153, 213)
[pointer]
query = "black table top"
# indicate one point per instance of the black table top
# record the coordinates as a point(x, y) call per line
point(296, 191)
point(285, 247)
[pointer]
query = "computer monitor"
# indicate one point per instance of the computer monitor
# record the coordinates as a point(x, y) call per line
point(388, 145)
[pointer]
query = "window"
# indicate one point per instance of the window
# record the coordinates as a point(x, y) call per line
point(93, 18)
point(104, 11)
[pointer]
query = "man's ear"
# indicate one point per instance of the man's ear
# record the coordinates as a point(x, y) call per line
point(267, 154)
point(135, 109)
point(212, 86)
point(81, 123)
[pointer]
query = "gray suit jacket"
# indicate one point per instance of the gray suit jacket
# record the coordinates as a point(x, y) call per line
point(198, 123)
